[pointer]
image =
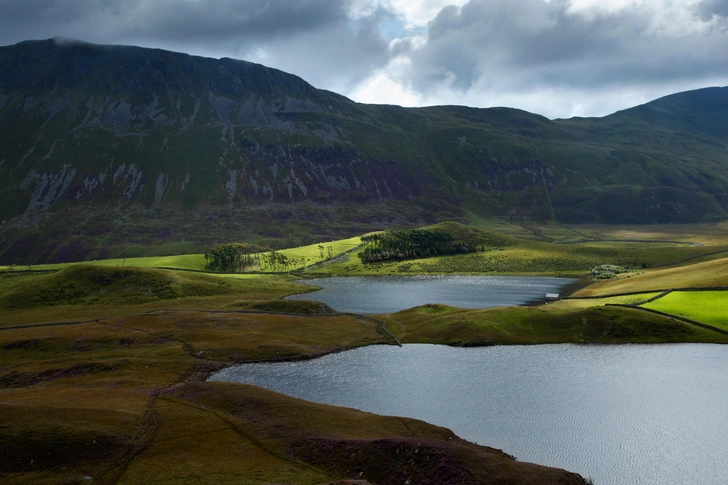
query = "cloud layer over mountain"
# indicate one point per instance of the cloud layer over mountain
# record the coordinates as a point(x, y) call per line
point(559, 58)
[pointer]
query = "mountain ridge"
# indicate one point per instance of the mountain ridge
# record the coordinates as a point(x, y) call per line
point(127, 147)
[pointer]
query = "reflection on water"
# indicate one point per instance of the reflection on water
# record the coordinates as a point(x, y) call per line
point(624, 415)
point(383, 294)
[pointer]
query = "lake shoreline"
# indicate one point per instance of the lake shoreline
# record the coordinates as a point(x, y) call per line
point(406, 374)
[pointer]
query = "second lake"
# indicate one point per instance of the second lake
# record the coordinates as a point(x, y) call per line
point(384, 294)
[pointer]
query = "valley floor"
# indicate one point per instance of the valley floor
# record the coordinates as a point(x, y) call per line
point(102, 369)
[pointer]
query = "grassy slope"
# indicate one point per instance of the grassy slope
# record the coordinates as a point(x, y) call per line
point(529, 257)
point(86, 292)
point(699, 275)
point(196, 262)
point(705, 234)
point(539, 325)
point(89, 284)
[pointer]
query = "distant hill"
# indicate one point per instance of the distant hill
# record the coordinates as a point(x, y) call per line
point(111, 150)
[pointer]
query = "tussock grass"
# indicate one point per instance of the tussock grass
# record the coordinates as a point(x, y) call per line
point(78, 400)
point(270, 438)
point(244, 337)
point(303, 307)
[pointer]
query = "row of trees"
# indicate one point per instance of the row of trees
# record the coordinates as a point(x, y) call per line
point(412, 243)
point(275, 261)
point(237, 257)
point(229, 258)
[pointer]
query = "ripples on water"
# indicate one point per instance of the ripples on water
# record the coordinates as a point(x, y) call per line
point(624, 415)
point(388, 294)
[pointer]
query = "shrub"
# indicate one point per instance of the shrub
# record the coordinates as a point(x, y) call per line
point(607, 271)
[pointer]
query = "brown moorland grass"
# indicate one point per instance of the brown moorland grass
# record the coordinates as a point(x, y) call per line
point(706, 234)
point(76, 398)
point(248, 337)
point(118, 399)
point(73, 398)
point(699, 275)
point(285, 434)
point(82, 402)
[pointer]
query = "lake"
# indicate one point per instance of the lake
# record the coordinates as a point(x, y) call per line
point(388, 294)
point(621, 414)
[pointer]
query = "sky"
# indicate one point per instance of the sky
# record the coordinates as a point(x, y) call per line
point(557, 58)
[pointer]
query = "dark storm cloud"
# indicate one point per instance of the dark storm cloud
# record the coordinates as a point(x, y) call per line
point(483, 53)
point(315, 39)
point(171, 20)
point(532, 43)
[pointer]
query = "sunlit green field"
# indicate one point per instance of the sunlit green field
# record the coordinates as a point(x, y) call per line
point(309, 254)
point(709, 307)
point(573, 304)
point(182, 261)
point(315, 253)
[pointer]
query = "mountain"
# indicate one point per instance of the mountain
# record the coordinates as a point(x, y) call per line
point(111, 150)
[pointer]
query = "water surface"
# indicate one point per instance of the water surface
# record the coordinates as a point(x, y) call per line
point(388, 294)
point(623, 414)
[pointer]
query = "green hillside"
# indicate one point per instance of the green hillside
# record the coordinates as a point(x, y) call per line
point(111, 151)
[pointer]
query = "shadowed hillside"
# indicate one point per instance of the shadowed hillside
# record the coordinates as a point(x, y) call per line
point(120, 151)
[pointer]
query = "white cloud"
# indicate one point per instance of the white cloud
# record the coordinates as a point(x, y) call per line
point(382, 89)
point(419, 13)
point(562, 58)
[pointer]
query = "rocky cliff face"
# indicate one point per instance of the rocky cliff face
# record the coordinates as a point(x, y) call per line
point(105, 145)
point(120, 125)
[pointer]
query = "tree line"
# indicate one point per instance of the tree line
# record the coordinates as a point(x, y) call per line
point(237, 257)
point(412, 243)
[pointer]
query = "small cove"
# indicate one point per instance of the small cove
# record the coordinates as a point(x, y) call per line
point(388, 294)
point(622, 414)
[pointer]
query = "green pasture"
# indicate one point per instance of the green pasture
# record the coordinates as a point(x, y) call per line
point(578, 303)
point(310, 254)
point(510, 253)
point(182, 261)
point(530, 257)
point(320, 252)
point(709, 307)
